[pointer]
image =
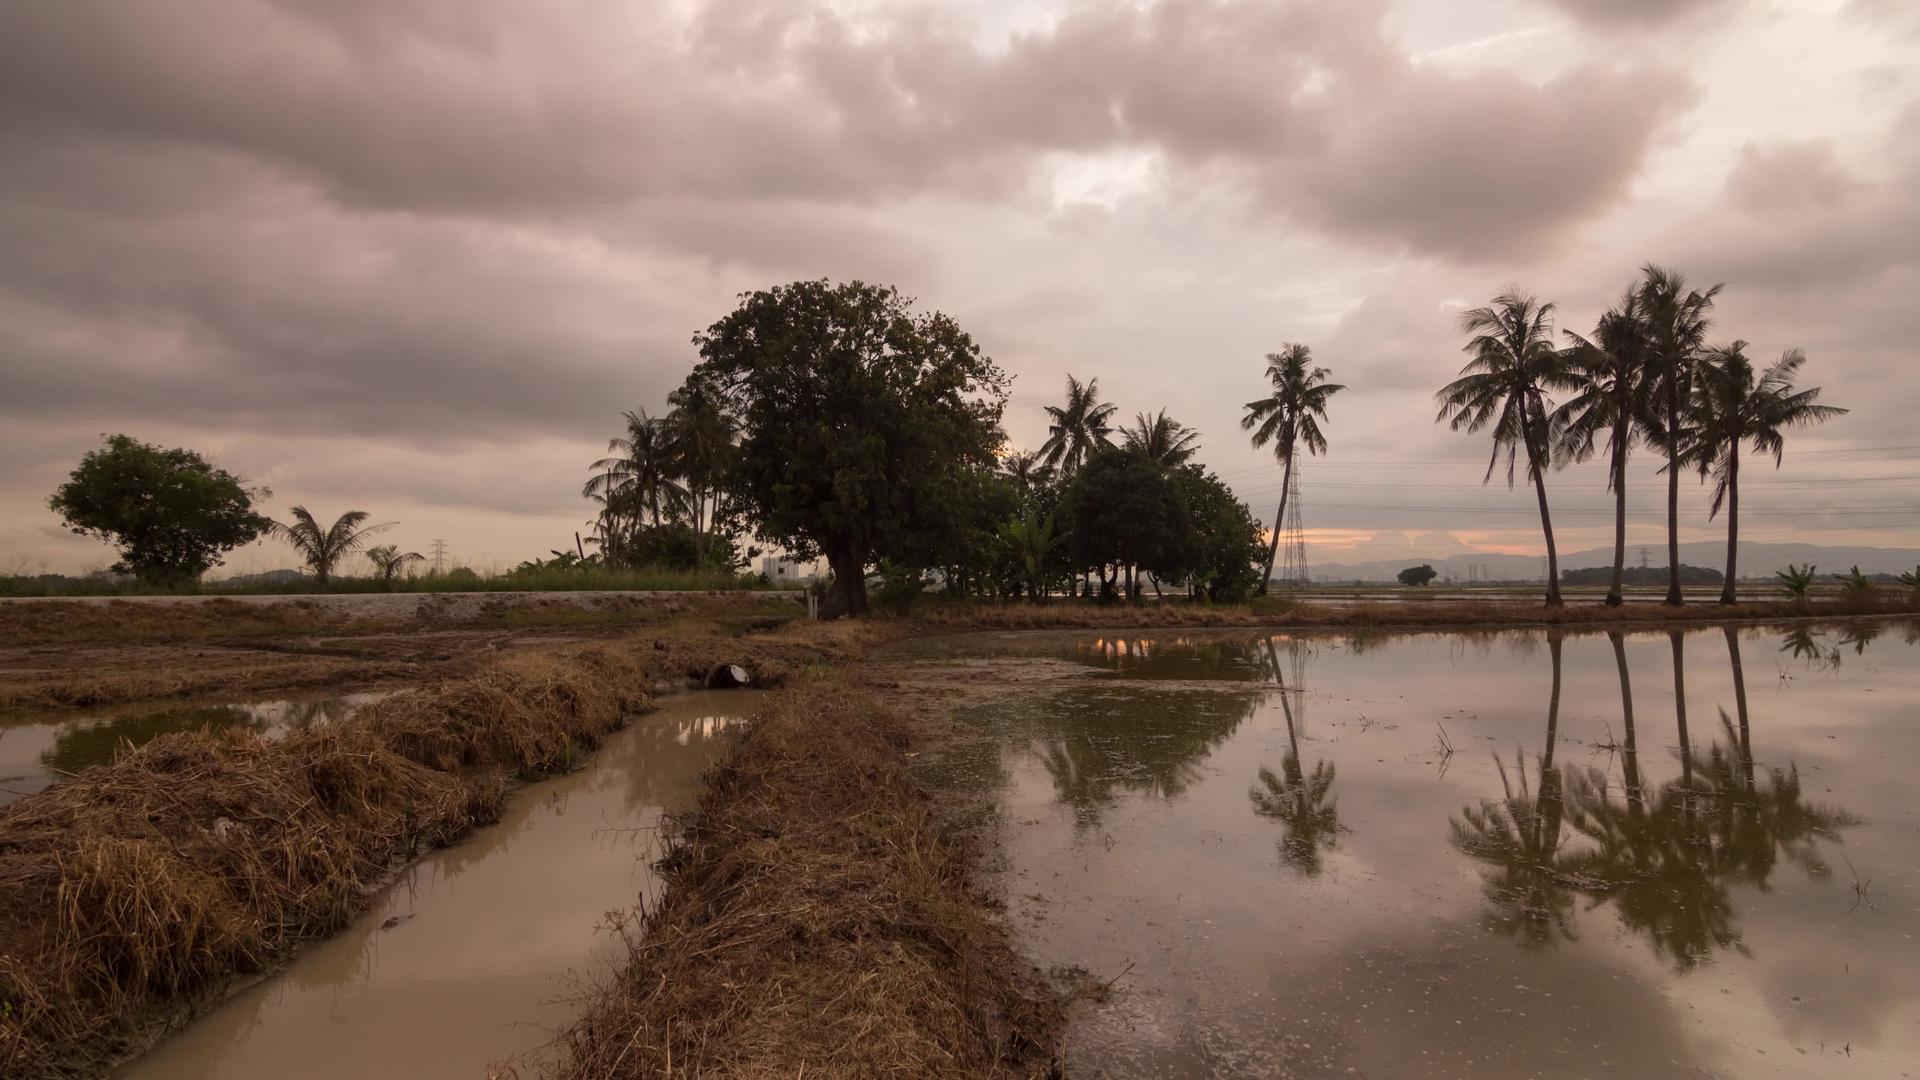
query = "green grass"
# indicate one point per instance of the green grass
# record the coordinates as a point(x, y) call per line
point(637, 580)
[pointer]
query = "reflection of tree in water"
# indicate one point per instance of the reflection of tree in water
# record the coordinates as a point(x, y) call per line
point(1528, 885)
point(1096, 744)
point(85, 743)
point(1303, 804)
point(1173, 657)
point(1666, 860)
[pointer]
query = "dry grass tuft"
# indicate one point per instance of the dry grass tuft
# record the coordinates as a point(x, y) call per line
point(816, 922)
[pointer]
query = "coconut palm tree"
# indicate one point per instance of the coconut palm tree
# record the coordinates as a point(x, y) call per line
point(1676, 320)
point(1161, 438)
point(638, 475)
point(702, 434)
point(389, 560)
point(1608, 370)
point(1026, 470)
point(1504, 388)
point(1078, 428)
point(1289, 418)
point(323, 548)
point(1731, 406)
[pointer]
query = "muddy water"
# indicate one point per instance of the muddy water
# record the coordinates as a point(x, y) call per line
point(470, 958)
point(36, 749)
point(1656, 855)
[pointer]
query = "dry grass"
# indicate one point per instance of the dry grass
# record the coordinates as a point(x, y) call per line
point(816, 922)
point(95, 686)
point(138, 890)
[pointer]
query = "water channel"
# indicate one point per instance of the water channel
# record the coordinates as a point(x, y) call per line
point(474, 957)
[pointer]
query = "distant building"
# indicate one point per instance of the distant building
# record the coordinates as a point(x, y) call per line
point(784, 571)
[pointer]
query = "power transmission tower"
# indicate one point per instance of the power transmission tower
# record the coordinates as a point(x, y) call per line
point(1643, 557)
point(439, 555)
point(1293, 536)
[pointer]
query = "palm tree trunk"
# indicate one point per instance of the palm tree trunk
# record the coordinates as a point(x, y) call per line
point(1673, 490)
point(1740, 704)
point(1553, 705)
point(1678, 639)
point(1733, 518)
point(1538, 469)
point(1630, 752)
point(1615, 594)
point(1280, 515)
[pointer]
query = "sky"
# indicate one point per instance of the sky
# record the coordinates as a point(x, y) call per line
point(416, 256)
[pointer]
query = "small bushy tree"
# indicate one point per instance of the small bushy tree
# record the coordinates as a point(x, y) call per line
point(1418, 575)
point(171, 513)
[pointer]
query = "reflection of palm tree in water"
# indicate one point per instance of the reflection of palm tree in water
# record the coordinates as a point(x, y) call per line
point(1303, 804)
point(1520, 838)
point(1667, 860)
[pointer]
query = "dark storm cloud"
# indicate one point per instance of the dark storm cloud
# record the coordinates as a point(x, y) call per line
point(448, 221)
point(1633, 14)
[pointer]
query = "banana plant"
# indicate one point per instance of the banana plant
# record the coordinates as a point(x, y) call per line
point(1033, 540)
point(1796, 581)
point(1854, 584)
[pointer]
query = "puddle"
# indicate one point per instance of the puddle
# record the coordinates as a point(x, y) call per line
point(1655, 855)
point(37, 748)
point(469, 958)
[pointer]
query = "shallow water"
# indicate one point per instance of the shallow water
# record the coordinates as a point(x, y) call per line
point(1605, 877)
point(471, 958)
point(37, 748)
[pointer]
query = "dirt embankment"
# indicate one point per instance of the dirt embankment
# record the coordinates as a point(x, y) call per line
point(138, 891)
point(55, 654)
point(817, 921)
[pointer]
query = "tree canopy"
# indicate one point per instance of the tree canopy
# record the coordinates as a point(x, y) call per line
point(171, 513)
point(857, 416)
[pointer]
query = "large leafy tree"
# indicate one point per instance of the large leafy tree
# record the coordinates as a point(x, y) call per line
point(1222, 561)
point(1732, 406)
point(171, 513)
point(856, 414)
point(1675, 322)
point(1289, 418)
point(1122, 510)
point(1503, 389)
point(1161, 438)
point(323, 548)
point(1078, 429)
point(1608, 379)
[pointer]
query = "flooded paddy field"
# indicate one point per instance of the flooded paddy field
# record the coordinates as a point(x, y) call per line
point(472, 957)
point(37, 748)
point(1640, 854)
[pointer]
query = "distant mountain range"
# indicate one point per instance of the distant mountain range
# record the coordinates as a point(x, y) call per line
point(1756, 560)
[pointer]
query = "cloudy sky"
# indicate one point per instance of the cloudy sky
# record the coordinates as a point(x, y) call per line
point(414, 256)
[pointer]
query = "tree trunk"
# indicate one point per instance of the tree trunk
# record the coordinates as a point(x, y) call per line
point(1553, 705)
point(1539, 471)
point(1740, 705)
point(1279, 516)
point(1673, 489)
point(849, 595)
point(1678, 638)
point(1733, 518)
point(1630, 753)
point(1615, 594)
